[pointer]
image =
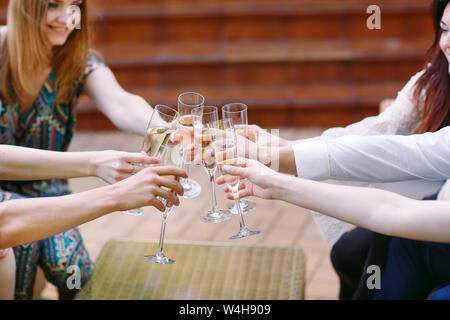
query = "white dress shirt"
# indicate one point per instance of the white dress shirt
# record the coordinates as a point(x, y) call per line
point(378, 159)
point(389, 158)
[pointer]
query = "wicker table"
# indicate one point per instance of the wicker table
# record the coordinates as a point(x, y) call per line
point(204, 271)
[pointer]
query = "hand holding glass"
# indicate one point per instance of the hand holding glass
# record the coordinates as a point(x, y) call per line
point(225, 149)
point(187, 102)
point(159, 130)
point(169, 154)
point(237, 112)
point(205, 127)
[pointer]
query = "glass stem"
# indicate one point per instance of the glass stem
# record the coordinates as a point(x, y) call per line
point(160, 251)
point(213, 190)
point(185, 182)
point(241, 216)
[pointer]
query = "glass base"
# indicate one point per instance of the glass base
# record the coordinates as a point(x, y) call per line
point(216, 216)
point(134, 212)
point(244, 232)
point(246, 206)
point(191, 188)
point(161, 259)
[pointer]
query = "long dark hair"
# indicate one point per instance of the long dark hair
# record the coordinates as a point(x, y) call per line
point(435, 80)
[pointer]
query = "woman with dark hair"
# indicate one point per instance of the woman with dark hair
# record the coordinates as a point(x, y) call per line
point(432, 91)
point(422, 105)
point(434, 84)
point(411, 272)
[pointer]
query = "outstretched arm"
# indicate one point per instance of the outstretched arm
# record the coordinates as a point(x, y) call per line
point(127, 111)
point(26, 220)
point(376, 158)
point(18, 163)
point(374, 209)
point(378, 210)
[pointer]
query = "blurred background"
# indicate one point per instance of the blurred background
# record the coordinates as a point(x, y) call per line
point(300, 65)
point(294, 62)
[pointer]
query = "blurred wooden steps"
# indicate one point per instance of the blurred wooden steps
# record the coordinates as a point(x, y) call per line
point(295, 62)
point(271, 105)
point(221, 21)
point(156, 21)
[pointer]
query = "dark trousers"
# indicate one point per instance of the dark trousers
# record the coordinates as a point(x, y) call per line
point(352, 254)
point(414, 269)
point(410, 269)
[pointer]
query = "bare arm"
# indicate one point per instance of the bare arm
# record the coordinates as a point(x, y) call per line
point(127, 111)
point(374, 209)
point(18, 163)
point(26, 220)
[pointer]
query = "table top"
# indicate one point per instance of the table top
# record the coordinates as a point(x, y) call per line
point(203, 271)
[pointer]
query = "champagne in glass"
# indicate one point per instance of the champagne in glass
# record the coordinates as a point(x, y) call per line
point(186, 121)
point(158, 134)
point(169, 154)
point(186, 103)
point(154, 139)
point(237, 112)
point(225, 150)
point(205, 130)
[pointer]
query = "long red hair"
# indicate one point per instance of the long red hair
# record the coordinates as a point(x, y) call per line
point(435, 81)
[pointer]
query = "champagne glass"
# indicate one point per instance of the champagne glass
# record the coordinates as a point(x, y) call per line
point(158, 133)
point(186, 103)
point(205, 126)
point(225, 149)
point(237, 112)
point(169, 154)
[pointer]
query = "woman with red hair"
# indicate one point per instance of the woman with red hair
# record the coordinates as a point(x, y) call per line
point(423, 105)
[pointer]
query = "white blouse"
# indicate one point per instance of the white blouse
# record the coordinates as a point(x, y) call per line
point(400, 118)
point(388, 158)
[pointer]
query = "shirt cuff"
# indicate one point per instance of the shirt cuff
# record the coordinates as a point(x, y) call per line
point(311, 160)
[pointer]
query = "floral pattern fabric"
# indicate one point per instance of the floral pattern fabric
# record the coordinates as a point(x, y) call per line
point(46, 125)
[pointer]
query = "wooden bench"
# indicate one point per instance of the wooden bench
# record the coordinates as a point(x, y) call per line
point(203, 271)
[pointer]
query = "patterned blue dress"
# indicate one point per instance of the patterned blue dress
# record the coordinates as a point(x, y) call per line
point(46, 125)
